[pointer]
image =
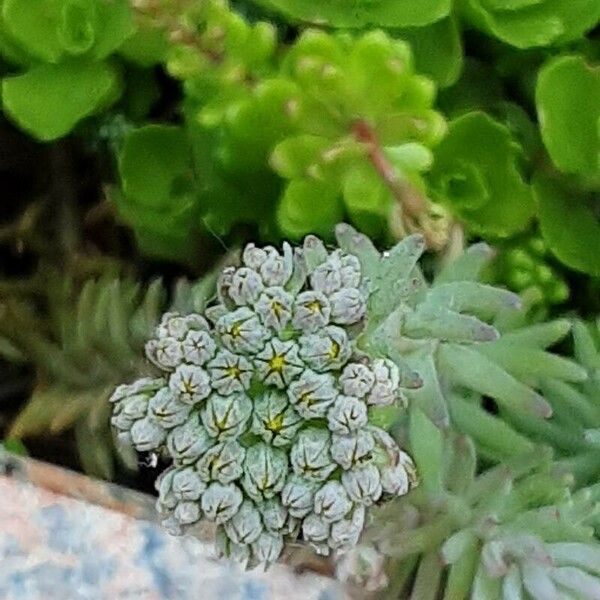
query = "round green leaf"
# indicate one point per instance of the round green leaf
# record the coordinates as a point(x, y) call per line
point(49, 100)
point(155, 165)
point(569, 223)
point(362, 13)
point(476, 175)
point(309, 207)
point(568, 105)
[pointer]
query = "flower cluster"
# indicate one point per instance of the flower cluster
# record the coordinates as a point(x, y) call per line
point(264, 407)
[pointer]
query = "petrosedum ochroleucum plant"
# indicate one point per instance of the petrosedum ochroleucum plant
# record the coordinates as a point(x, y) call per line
point(267, 406)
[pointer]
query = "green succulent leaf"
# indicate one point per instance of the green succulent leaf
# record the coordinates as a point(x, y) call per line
point(530, 23)
point(569, 223)
point(476, 174)
point(437, 49)
point(361, 13)
point(568, 105)
point(49, 100)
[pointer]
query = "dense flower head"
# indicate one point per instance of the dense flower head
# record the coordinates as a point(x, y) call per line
point(263, 406)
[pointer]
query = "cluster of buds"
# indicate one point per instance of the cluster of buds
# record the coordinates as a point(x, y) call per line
point(264, 408)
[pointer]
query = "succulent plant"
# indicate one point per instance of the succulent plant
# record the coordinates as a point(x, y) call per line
point(265, 404)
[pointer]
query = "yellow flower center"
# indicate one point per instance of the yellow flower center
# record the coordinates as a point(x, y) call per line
point(236, 330)
point(314, 306)
point(233, 372)
point(277, 308)
point(275, 424)
point(334, 350)
point(277, 363)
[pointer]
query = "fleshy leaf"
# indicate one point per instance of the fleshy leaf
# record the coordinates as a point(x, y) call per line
point(49, 100)
point(568, 105)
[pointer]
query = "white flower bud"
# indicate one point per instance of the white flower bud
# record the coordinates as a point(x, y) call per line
point(332, 502)
point(348, 306)
point(312, 394)
point(245, 286)
point(223, 463)
point(363, 484)
point(315, 528)
point(311, 311)
point(298, 495)
point(350, 271)
point(225, 417)
point(164, 487)
point(230, 372)
point(267, 547)
point(350, 451)
point(146, 386)
point(327, 277)
point(221, 502)
point(276, 269)
point(190, 383)
point(275, 420)
point(245, 526)
point(357, 380)
point(166, 353)
point(189, 441)
point(265, 470)
point(147, 434)
point(187, 485)
point(274, 514)
point(329, 349)
point(387, 378)
point(278, 363)
point(172, 526)
point(242, 331)
point(130, 410)
point(394, 480)
point(187, 513)
point(167, 409)
point(254, 257)
point(198, 347)
point(346, 533)
point(274, 307)
point(347, 415)
point(227, 549)
point(310, 454)
point(177, 326)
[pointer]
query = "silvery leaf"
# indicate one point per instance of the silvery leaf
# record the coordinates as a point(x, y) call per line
point(246, 525)
point(310, 454)
point(268, 547)
point(312, 394)
point(166, 353)
point(223, 462)
point(265, 470)
point(230, 372)
point(167, 409)
point(241, 331)
point(348, 306)
point(225, 417)
point(363, 484)
point(274, 514)
point(189, 441)
point(187, 485)
point(315, 528)
point(278, 363)
point(357, 380)
point(274, 307)
point(346, 533)
point(347, 415)
point(325, 350)
point(220, 502)
point(298, 495)
point(147, 434)
point(352, 450)
point(245, 286)
point(190, 383)
point(332, 502)
point(198, 347)
point(275, 420)
point(187, 512)
point(311, 311)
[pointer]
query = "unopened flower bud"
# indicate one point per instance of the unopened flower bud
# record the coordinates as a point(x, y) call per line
point(187, 442)
point(265, 471)
point(190, 383)
point(187, 512)
point(357, 380)
point(223, 463)
point(245, 286)
point(329, 349)
point(332, 502)
point(363, 484)
point(312, 394)
point(352, 450)
point(245, 526)
point(221, 502)
point(187, 485)
point(348, 306)
point(387, 378)
point(310, 455)
point(198, 347)
point(230, 372)
point(147, 434)
point(167, 410)
point(315, 528)
point(298, 495)
point(347, 415)
point(242, 331)
point(166, 353)
point(346, 532)
point(225, 417)
point(311, 311)
point(274, 307)
point(268, 547)
point(276, 269)
point(274, 514)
